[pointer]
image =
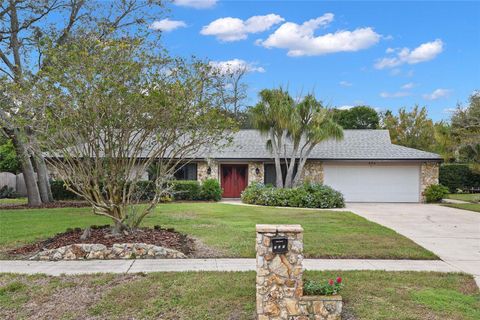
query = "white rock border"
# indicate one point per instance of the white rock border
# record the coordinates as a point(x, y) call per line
point(85, 251)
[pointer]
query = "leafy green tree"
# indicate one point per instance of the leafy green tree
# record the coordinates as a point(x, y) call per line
point(294, 128)
point(111, 110)
point(411, 128)
point(8, 157)
point(466, 131)
point(444, 143)
point(24, 25)
point(359, 117)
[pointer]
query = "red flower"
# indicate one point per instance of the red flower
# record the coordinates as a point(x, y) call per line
point(330, 282)
point(339, 280)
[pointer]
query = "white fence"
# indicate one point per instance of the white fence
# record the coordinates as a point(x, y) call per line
point(16, 182)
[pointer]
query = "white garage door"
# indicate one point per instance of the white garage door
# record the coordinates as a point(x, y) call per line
point(375, 183)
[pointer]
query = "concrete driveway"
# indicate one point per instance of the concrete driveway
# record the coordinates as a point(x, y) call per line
point(452, 234)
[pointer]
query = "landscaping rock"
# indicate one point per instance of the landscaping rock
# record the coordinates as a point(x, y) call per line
point(100, 251)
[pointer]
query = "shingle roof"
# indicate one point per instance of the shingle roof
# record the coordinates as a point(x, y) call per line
point(356, 145)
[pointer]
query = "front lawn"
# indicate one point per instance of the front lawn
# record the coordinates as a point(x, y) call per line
point(14, 201)
point(230, 229)
point(221, 295)
point(469, 197)
point(464, 206)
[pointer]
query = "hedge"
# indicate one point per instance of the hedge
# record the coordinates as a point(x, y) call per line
point(458, 177)
point(181, 190)
point(305, 196)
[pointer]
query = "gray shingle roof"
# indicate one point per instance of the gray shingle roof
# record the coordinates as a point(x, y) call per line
point(356, 145)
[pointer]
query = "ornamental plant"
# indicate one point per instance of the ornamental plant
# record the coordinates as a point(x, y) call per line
point(328, 288)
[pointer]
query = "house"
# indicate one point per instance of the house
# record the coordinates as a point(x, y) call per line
point(365, 166)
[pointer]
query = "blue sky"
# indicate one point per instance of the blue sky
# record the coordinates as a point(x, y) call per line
point(383, 54)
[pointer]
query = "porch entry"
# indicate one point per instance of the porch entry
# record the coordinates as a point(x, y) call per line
point(234, 179)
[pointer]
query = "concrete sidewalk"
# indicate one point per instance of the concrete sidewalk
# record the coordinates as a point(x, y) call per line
point(182, 265)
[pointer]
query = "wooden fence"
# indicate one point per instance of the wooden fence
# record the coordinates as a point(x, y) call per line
point(14, 181)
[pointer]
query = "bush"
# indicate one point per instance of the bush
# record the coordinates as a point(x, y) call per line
point(211, 190)
point(435, 192)
point(186, 190)
point(305, 196)
point(458, 177)
point(60, 192)
point(7, 193)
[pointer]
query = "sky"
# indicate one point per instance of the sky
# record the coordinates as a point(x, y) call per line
point(382, 53)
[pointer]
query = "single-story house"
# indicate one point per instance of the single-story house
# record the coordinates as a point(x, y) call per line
point(365, 166)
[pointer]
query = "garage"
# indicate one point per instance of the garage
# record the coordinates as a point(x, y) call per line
point(375, 182)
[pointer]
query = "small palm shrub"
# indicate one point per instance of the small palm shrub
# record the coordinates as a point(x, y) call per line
point(435, 193)
point(305, 196)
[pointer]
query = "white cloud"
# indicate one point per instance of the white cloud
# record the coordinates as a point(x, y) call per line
point(345, 107)
point(424, 52)
point(437, 94)
point(167, 25)
point(345, 84)
point(197, 4)
point(234, 29)
point(235, 65)
point(408, 86)
point(399, 94)
point(300, 40)
point(390, 50)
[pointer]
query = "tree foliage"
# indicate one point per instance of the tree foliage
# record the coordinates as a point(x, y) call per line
point(293, 128)
point(8, 157)
point(111, 108)
point(412, 128)
point(359, 117)
point(466, 131)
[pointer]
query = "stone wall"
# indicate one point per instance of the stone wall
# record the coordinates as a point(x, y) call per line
point(428, 176)
point(279, 284)
point(313, 171)
point(202, 170)
point(252, 174)
point(117, 251)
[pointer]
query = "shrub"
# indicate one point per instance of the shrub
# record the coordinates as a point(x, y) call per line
point(60, 192)
point(7, 193)
point(458, 177)
point(435, 192)
point(305, 196)
point(186, 190)
point(330, 287)
point(211, 190)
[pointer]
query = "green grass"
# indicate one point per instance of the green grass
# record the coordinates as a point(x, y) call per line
point(469, 197)
point(16, 201)
point(230, 229)
point(367, 295)
point(464, 206)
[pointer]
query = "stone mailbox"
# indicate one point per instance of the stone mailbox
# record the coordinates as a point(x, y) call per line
point(279, 279)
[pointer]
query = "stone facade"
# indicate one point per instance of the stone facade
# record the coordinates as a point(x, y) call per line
point(279, 284)
point(252, 174)
point(428, 175)
point(313, 171)
point(202, 170)
point(100, 251)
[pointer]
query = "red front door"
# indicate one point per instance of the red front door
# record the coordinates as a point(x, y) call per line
point(234, 179)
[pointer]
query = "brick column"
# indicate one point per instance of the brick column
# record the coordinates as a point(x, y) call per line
point(279, 276)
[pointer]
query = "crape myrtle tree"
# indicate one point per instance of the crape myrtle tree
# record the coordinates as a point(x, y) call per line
point(111, 108)
point(23, 26)
point(293, 129)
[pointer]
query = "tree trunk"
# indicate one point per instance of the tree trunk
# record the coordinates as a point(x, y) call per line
point(33, 194)
point(278, 166)
point(42, 174)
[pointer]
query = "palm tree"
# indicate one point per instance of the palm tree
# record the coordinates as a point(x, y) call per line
point(305, 124)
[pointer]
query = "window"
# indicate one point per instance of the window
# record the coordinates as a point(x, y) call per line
point(270, 176)
point(186, 172)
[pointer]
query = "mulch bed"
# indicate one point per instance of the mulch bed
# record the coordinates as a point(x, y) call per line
point(167, 238)
point(55, 204)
